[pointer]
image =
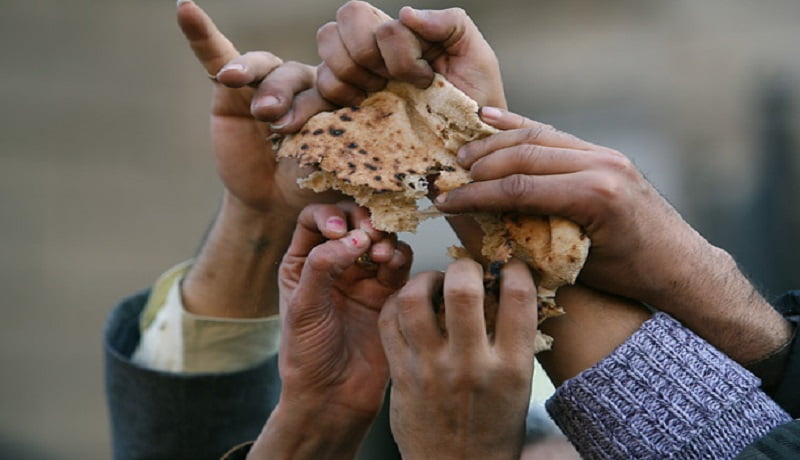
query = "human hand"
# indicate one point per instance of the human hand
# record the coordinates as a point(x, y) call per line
point(464, 395)
point(365, 47)
point(641, 247)
point(534, 169)
point(256, 94)
point(332, 366)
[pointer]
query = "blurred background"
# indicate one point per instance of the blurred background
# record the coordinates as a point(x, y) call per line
point(106, 176)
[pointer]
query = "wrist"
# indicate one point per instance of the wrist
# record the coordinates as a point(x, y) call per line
point(713, 298)
point(235, 273)
point(309, 432)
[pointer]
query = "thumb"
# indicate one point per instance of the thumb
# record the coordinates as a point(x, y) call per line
point(323, 267)
point(451, 28)
point(211, 48)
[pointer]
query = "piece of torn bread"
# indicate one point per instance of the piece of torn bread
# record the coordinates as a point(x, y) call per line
point(383, 154)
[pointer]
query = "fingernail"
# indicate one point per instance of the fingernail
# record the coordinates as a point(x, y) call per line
point(441, 198)
point(336, 224)
point(398, 258)
point(181, 2)
point(367, 227)
point(419, 14)
point(382, 251)
point(491, 113)
point(231, 67)
point(282, 122)
point(356, 239)
point(268, 101)
point(461, 156)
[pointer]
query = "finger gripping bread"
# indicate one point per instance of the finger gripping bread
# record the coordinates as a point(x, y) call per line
point(384, 153)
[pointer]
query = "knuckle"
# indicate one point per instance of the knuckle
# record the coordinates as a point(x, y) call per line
point(518, 291)
point(426, 373)
point(534, 133)
point(516, 187)
point(363, 55)
point(320, 259)
point(527, 154)
point(619, 163)
point(464, 294)
point(388, 29)
point(458, 14)
point(347, 72)
point(466, 376)
point(272, 58)
point(325, 31)
point(407, 300)
point(608, 187)
point(351, 7)
point(520, 122)
point(513, 377)
point(386, 320)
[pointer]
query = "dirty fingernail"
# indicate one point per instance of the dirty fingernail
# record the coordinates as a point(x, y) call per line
point(282, 122)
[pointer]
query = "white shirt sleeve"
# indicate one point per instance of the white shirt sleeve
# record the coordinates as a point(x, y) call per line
point(175, 340)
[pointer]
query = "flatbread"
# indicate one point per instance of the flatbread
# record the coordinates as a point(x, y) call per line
point(555, 247)
point(383, 154)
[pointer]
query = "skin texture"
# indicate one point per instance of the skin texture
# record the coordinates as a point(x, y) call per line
point(596, 324)
point(364, 47)
point(463, 395)
point(667, 264)
point(533, 168)
point(235, 271)
point(333, 369)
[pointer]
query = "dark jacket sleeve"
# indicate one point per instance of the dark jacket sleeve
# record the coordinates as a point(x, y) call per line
point(159, 415)
point(785, 389)
point(163, 415)
point(782, 442)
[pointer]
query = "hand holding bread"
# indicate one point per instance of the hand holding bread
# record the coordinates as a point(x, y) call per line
point(364, 48)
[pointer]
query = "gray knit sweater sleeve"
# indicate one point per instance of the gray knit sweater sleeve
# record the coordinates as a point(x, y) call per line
point(664, 393)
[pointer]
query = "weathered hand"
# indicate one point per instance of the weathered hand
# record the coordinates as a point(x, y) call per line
point(365, 47)
point(254, 91)
point(535, 169)
point(331, 356)
point(464, 395)
point(641, 247)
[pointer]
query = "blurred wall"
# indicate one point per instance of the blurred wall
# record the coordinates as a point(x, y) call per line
point(106, 176)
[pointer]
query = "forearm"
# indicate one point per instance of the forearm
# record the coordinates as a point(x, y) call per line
point(301, 433)
point(235, 274)
point(712, 297)
point(593, 327)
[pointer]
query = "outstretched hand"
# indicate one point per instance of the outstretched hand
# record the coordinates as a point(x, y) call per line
point(255, 95)
point(641, 247)
point(533, 168)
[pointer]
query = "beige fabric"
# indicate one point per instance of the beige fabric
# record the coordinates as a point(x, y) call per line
point(175, 340)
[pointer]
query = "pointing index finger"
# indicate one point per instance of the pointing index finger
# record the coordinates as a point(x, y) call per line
point(210, 46)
